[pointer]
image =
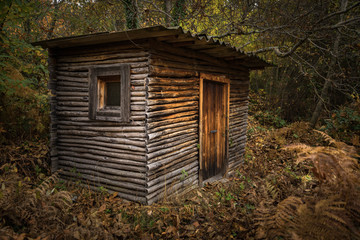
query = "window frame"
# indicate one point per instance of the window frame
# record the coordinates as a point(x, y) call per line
point(117, 114)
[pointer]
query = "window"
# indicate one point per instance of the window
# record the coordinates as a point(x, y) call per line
point(110, 93)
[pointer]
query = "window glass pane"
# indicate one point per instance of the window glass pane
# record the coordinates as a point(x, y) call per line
point(112, 94)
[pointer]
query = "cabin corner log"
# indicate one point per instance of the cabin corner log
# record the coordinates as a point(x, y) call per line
point(53, 105)
point(156, 153)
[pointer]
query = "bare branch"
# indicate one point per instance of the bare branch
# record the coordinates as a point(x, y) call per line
point(338, 13)
point(277, 50)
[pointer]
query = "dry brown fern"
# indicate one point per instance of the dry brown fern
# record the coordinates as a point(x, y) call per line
point(40, 210)
point(332, 212)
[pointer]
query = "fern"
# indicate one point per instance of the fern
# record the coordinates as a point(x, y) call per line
point(41, 208)
point(333, 213)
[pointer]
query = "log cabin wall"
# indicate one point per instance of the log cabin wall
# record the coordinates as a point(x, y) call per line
point(239, 92)
point(173, 118)
point(156, 153)
point(98, 153)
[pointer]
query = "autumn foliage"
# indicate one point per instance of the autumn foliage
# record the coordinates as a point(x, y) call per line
point(295, 183)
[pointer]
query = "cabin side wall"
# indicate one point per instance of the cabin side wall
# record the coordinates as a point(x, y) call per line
point(172, 112)
point(173, 119)
point(239, 95)
point(98, 153)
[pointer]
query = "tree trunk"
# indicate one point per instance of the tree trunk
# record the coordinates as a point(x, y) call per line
point(325, 90)
point(132, 21)
point(167, 7)
point(53, 20)
point(178, 12)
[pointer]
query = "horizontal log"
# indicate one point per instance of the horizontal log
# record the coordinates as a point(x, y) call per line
point(94, 160)
point(171, 143)
point(235, 165)
point(169, 187)
point(171, 139)
point(128, 155)
point(73, 162)
point(115, 137)
point(170, 112)
point(72, 74)
point(166, 72)
point(171, 135)
point(173, 81)
point(173, 94)
point(103, 146)
point(173, 167)
point(134, 158)
point(70, 93)
point(87, 122)
point(167, 163)
point(173, 155)
point(127, 180)
point(72, 84)
point(172, 116)
point(72, 108)
point(172, 177)
point(139, 76)
point(94, 177)
point(163, 133)
point(171, 106)
point(69, 79)
point(169, 192)
point(110, 190)
point(137, 94)
point(79, 59)
point(111, 157)
point(186, 66)
point(163, 124)
point(71, 89)
point(172, 87)
point(72, 104)
point(123, 129)
point(171, 126)
point(79, 65)
point(72, 114)
point(151, 102)
point(137, 135)
point(167, 150)
point(103, 49)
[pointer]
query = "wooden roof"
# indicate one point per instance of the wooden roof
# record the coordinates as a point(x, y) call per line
point(174, 36)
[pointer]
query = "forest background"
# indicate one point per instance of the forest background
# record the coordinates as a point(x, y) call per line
point(296, 182)
point(314, 46)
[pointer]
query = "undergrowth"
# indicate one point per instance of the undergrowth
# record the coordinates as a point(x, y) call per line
point(295, 183)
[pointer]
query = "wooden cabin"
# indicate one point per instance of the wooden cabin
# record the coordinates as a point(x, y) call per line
point(147, 113)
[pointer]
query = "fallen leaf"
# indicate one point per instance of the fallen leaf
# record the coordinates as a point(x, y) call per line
point(102, 208)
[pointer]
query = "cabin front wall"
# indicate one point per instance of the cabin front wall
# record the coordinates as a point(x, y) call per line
point(98, 153)
point(156, 154)
point(172, 112)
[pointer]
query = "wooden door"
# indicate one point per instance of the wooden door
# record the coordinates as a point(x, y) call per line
point(214, 122)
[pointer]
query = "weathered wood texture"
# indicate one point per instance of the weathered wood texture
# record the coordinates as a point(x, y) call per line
point(99, 153)
point(239, 91)
point(156, 154)
point(172, 110)
point(214, 126)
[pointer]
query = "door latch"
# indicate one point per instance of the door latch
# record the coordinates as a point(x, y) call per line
point(213, 131)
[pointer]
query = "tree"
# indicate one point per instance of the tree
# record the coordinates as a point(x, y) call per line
point(131, 11)
point(316, 37)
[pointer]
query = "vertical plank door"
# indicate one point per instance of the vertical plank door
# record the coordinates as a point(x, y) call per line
point(213, 128)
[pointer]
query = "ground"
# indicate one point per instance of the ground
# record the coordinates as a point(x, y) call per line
point(295, 183)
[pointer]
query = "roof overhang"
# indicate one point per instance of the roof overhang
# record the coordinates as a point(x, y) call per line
point(174, 36)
